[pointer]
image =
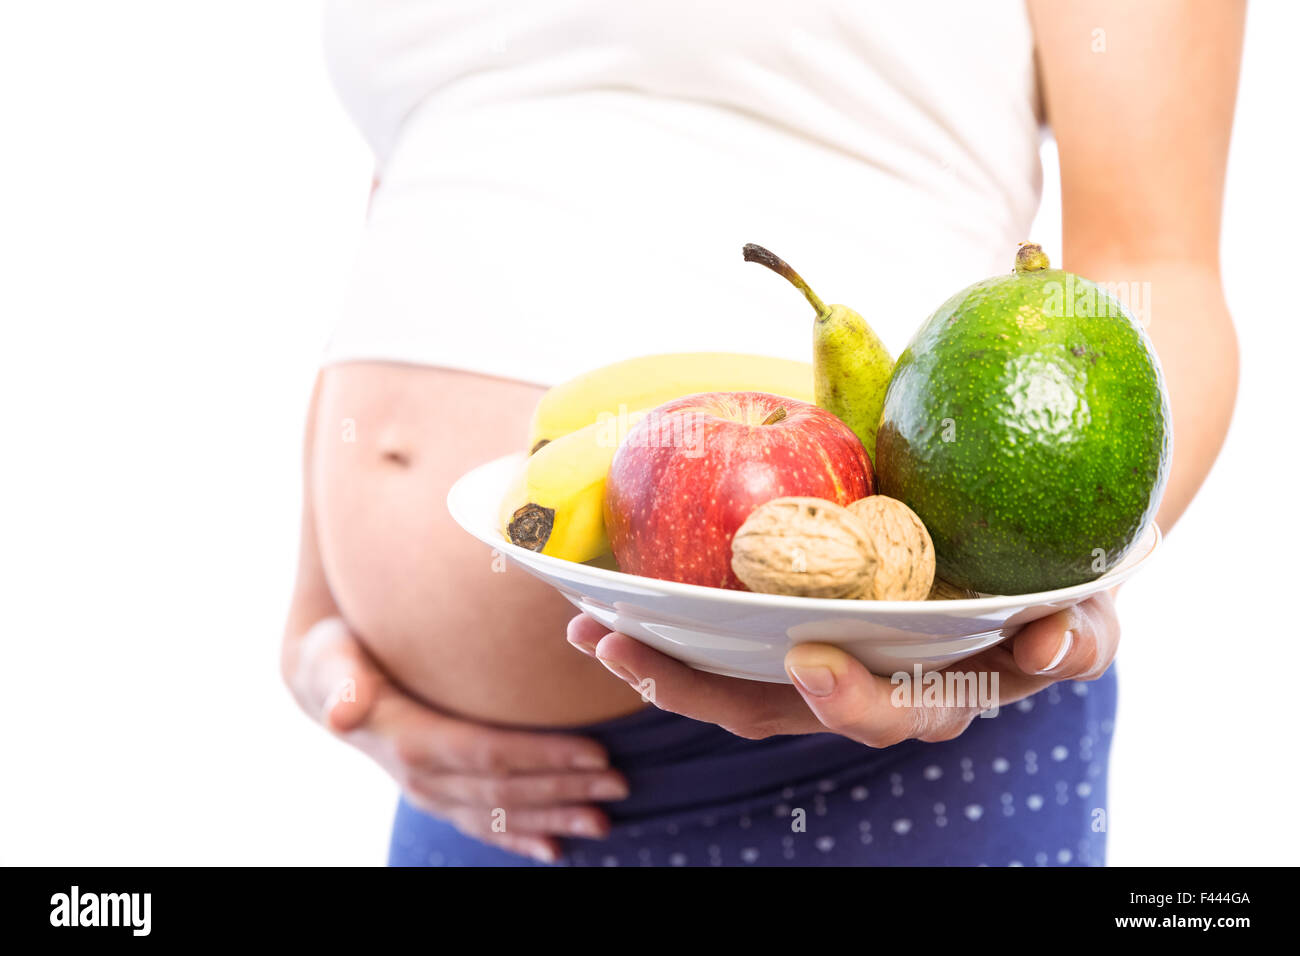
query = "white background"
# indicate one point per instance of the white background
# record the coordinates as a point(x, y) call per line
point(180, 197)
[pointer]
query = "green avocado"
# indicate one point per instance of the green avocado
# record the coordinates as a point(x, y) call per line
point(1027, 424)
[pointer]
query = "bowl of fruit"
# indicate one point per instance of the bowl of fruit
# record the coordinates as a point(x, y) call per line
point(721, 508)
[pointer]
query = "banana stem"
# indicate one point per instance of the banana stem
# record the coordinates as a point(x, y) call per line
point(756, 253)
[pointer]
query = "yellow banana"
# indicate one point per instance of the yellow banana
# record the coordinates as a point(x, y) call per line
point(654, 379)
point(555, 504)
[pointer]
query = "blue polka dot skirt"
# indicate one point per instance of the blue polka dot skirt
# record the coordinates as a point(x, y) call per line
point(1024, 788)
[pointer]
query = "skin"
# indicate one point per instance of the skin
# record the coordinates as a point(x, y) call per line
point(437, 652)
point(404, 641)
point(1150, 214)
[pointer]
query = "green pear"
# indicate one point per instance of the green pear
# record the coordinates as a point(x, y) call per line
point(851, 366)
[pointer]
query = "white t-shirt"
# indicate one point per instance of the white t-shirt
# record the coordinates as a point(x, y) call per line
point(567, 183)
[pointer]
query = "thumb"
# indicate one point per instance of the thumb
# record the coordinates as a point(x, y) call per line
point(842, 693)
point(343, 681)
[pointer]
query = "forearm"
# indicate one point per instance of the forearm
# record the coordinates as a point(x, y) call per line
point(307, 608)
point(311, 600)
point(1140, 97)
point(1183, 308)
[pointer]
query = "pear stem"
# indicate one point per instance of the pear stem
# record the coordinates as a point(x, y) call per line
point(756, 253)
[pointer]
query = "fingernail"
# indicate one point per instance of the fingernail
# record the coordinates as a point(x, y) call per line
point(583, 761)
point(1067, 641)
point(543, 854)
point(818, 681)
point(583, 826)
point(608, 790)
point(588, 649)
point(617, 671)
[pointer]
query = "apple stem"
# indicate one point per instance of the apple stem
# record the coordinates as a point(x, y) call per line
point(775, 417)
point(756, 253)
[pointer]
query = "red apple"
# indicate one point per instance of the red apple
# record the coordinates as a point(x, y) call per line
point(691, 472)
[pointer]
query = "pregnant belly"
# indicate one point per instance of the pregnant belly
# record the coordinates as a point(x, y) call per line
point(447, 619)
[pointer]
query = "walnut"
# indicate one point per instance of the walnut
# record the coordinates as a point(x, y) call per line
point(803, 546)
point(904, 568)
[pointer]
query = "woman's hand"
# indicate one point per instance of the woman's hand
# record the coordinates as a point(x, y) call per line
point(461, 772)
point(834, 692)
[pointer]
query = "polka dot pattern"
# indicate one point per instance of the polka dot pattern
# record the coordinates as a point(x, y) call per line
point(1020, 789)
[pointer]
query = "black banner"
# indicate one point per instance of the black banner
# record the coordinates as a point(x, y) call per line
point(981, 906)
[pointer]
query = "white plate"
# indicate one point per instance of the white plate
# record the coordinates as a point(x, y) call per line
point(742, 634)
